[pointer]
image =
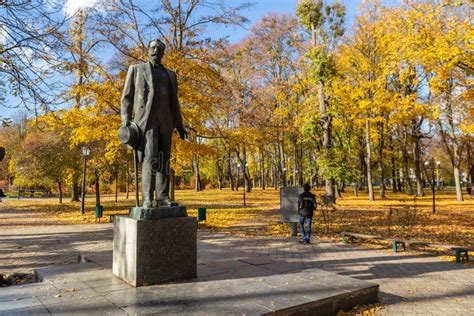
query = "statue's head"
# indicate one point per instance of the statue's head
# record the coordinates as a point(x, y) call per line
point(156, 50)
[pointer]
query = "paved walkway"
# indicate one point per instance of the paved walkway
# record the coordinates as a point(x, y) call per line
point(410, 283)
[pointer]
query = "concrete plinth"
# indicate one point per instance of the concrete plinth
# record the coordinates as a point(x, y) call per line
point(148, 252)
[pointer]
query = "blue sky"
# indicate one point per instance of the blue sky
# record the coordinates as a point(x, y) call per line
point(263, 7)
point(254, 14)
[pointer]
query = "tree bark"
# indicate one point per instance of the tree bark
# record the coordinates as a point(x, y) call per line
point(406, 172)
point(60, 191)
point(172, 184)
point(380, 160)
point(97, 189)
point(326, 123)
point(262, 169)
point(368, 160)
point(229, 171)
point(457, 173)
point(197, 177)
point(75, 190)
point(417, 162)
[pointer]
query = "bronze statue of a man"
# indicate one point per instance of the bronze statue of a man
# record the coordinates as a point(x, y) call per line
point(150, 100)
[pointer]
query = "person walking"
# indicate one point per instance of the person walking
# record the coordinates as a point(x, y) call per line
point(306, 207)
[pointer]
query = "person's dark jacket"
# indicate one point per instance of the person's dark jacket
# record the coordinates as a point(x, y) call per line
point(306, 204)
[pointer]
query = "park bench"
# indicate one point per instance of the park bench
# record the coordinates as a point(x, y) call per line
point(396, 243)
point(354, 236)
point(461, 253)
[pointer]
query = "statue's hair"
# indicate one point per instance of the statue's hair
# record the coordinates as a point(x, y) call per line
point(158, 41)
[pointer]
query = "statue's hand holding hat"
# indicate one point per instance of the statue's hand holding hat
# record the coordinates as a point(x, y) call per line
point(129, 134)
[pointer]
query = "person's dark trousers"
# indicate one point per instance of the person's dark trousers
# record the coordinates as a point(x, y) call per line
point(305, 234)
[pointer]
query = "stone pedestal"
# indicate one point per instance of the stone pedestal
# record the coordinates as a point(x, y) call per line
point(148, 252)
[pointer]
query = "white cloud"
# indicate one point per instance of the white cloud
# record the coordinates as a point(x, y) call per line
point(71, 6)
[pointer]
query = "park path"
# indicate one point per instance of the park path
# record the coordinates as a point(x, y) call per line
point(410, 283)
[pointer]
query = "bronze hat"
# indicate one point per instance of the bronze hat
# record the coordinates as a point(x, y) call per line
point(129, 134)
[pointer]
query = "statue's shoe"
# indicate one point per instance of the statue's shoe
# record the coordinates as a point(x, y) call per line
point(165, 202)
point(147, 204)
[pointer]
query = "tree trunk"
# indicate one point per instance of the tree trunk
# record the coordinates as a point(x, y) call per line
point(326, 123)
point(337, 191)
point(393, 166)
point(457, 173)
point(229, 171)
point(406, 172)
point(417, 162)
point(368, 160)
point(197, 177)
point(295, 159)
point(281, 160)
point(262, 169)
point(394, 176)
point(380, 160)
point(75, 190)
point(172, 184)
point(219, 172)
point(60, 191)
point(97, 189)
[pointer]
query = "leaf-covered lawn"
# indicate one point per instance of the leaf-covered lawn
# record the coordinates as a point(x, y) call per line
point(453, 222)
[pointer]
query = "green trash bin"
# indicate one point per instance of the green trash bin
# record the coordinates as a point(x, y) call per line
point(99, 209)
point(201, 214)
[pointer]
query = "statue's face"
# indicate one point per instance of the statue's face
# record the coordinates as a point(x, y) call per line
point(155, 52)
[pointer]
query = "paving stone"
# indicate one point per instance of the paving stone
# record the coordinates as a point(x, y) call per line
point(90, 306)
point(19, 304)
point(26, 291)
point(69, 295)
point(36, 310)
point(130, 297)
point(155, 307)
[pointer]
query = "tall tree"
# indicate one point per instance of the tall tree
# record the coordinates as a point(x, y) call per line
point(325, 22)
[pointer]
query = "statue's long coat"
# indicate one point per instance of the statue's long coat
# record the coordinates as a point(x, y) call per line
point(137, 100)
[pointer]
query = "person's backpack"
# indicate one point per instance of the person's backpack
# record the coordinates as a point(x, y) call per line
point(307, 206)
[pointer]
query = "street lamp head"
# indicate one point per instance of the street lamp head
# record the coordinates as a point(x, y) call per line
point(438, 163)
point(85, 151)
point(427, 163)
point(238, 165)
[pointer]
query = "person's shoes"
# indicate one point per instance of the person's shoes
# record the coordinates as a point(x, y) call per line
point(307, 241)
point(302, 241)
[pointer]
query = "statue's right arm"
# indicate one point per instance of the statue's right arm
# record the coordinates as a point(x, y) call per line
point(128, 96)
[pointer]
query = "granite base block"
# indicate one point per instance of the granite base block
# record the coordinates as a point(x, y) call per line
point(143, 213)
point(148, 252)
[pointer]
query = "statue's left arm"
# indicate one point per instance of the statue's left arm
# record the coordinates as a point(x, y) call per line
point(179, 119)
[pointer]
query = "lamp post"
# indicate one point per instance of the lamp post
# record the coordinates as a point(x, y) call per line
point(431, 165)
point(85, 154)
